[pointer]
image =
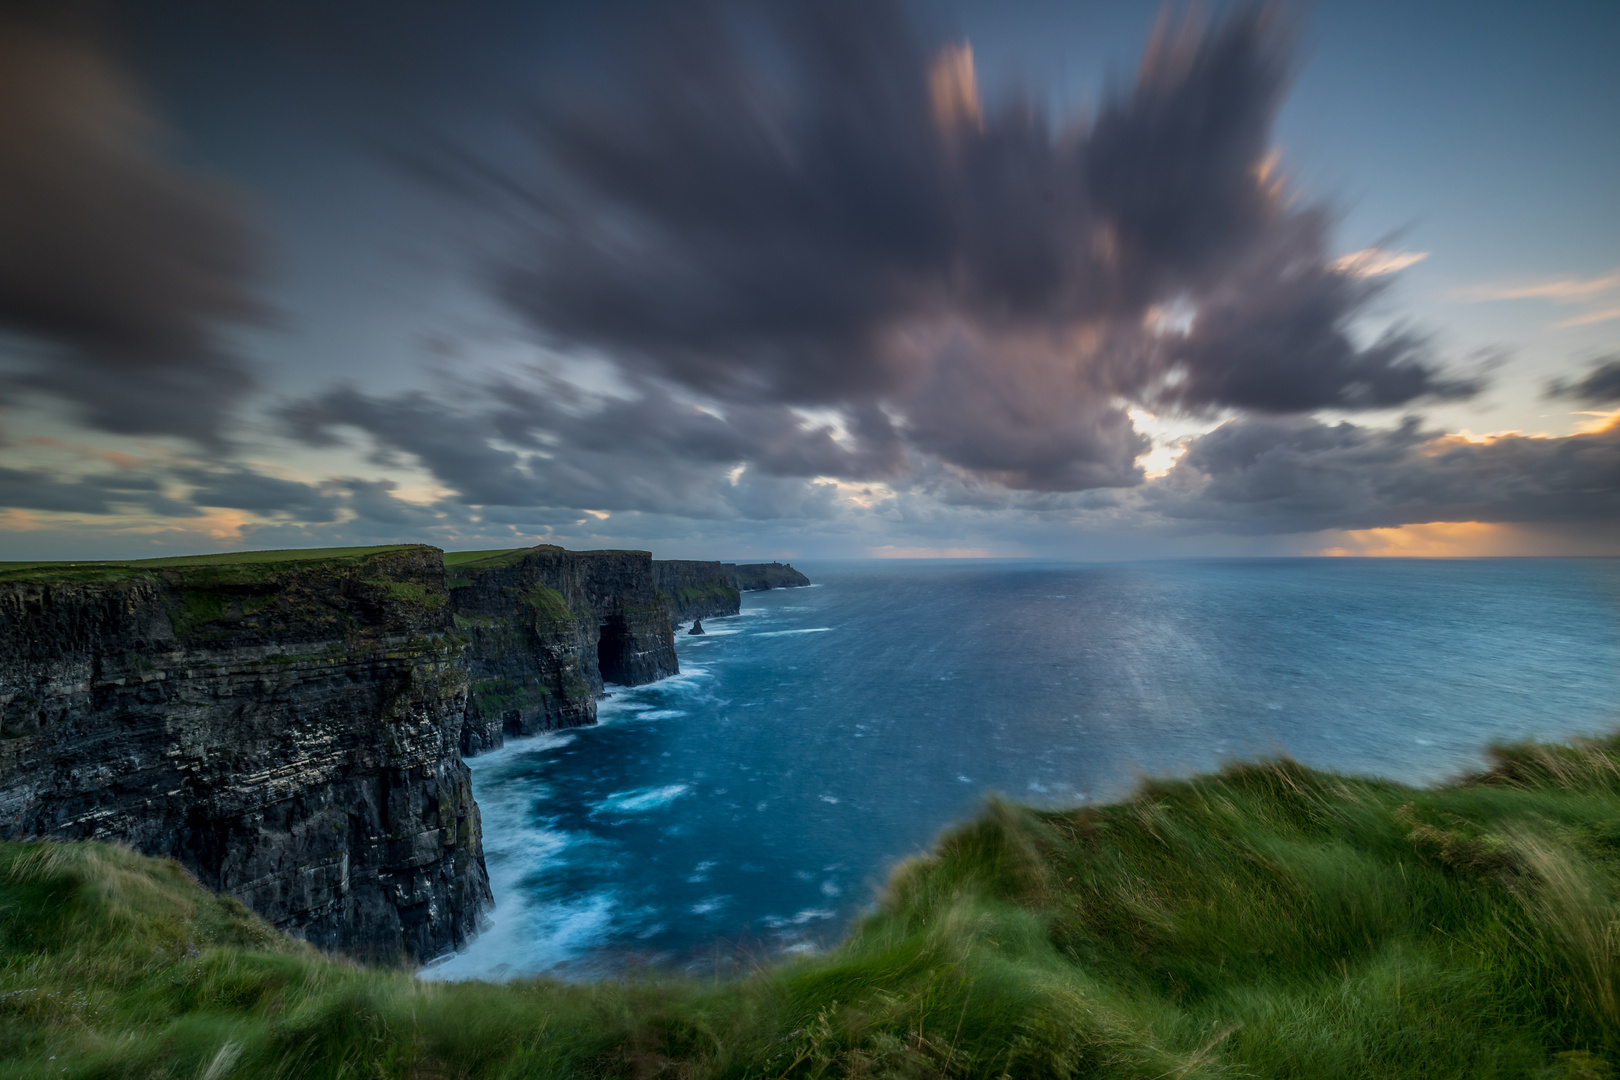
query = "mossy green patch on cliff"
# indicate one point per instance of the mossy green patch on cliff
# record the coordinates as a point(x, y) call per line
point(714, 592)
point(412, 592)
point(495, 697)
point(198, 607)
point(547, 603)
point(1267, 921)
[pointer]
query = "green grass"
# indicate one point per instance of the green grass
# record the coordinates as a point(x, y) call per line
point(1265, 921)
point(715, 590)
point(411, 592)
point(244, 561)
point(494, 557)
point(453, 558)
point(547, 603)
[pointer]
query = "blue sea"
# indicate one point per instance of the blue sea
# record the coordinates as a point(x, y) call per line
point(753, 805)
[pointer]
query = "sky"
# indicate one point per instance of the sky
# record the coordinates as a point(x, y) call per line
point(846, 278)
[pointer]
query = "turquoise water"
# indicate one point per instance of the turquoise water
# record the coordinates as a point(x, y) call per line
point(753, 804)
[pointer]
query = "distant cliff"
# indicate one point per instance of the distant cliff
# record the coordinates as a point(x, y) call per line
point(753, 577)
point(709, 590)
point(286, 726)
point(546, 628)
point(697, 590)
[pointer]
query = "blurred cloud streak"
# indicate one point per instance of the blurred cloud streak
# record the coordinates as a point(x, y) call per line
point(121, 270)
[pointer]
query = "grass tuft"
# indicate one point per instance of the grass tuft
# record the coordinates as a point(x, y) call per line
point(1267, 921)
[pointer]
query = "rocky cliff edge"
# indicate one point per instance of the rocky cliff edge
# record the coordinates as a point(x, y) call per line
point(284, 724)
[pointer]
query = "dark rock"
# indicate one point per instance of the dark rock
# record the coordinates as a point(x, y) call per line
point(713, 590)
point(754, 577)
point(697, 628)
point(696, 590)
point(287, 730)
point(547, 628)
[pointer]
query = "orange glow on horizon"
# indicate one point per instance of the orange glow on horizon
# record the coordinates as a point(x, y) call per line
point(1467, 540)
point(1435, 540)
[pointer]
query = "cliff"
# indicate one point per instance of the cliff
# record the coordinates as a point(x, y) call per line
point(711, 590)
point(696, 590)
point(754, 577)
point(284, 724)
point(547, 628)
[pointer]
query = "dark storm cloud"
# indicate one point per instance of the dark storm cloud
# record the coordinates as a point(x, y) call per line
point(1274, 334)
point(186, 490)
point(1286, 475)
point(119, 268)
point(1600, 387)
point(34, 489)
point(238, 488)
point(555, 446)
point(834, 217)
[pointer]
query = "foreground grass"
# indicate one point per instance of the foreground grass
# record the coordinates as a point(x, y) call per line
point(1267, 921)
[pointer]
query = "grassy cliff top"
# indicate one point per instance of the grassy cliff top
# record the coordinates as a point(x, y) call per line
point(90, 570)
point(112, 570)
point(493, 556)
point(1267, 921)
point(497, 557)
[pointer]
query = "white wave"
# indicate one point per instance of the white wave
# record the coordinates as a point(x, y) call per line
point(530, 940)
point(661, 714)
point(710, 903)
point(634, 802)
point(785, 633)
point(519, 746)
point(710, 629)
point(777, 922)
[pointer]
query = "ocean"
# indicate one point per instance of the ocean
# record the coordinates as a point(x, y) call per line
point(753, 805)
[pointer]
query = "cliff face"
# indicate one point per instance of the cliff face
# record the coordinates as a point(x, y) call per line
point(753, 577)
point(711, 590)
point(287, 730)
point(547, 628)
point(696, 590)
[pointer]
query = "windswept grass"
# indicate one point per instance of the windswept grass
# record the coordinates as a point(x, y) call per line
point(1266, 921)
point(240, 561)
point(492, 556)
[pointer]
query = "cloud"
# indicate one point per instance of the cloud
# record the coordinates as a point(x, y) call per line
point(1376, 262)
point(39, 489)
point(120, 271)
point(1600, 387)
point(552, 445)
point(1587, 318)
point(1602, 289)
point(849, 226)
point(186, 490)
point(1276, 475)
point(1569, 290)
point(241, 488)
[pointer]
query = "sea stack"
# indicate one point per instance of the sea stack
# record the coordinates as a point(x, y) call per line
point(697, 627)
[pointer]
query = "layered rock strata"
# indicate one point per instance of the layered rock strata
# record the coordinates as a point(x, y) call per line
point(287, 728)
point(755, 577)
point(696, 590)
point(709, 590)
point(546, 628)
